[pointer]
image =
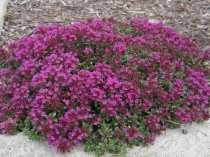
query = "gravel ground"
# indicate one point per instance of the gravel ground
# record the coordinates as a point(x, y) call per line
point(191, 17)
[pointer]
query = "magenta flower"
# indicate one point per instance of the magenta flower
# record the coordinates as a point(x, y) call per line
point(120, 48)
point(131, 134)
point(88, 51)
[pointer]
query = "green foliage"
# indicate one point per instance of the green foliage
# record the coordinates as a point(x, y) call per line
point(103, 139)
point(116, 147)
point(4, 65)
point(166, 85)
point(126, 30)
point(206, 64)
point(142, 54)
point(89, 146)
point(29, 129)
point(100, 149)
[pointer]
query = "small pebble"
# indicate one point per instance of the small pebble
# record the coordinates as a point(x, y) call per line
point(184, 131)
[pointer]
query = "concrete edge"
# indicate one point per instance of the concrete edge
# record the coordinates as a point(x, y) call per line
point(3, 9)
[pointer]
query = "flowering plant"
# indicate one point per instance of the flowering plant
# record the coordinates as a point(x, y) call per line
point(102, 83)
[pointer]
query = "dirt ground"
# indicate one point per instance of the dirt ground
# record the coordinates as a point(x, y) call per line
point(191, 17)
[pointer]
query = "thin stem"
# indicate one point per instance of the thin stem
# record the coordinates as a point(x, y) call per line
point(186, 126)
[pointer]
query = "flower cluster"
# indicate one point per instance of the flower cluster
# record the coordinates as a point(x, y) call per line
point(102, 83)
point(8, 127)
point(131, 134)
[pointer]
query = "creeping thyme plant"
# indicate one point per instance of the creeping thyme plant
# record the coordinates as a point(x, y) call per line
point(102, 83)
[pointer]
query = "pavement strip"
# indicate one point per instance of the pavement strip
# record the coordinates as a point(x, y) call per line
point(3, 8)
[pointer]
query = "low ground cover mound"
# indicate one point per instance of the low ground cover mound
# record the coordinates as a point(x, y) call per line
point(103, 83)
